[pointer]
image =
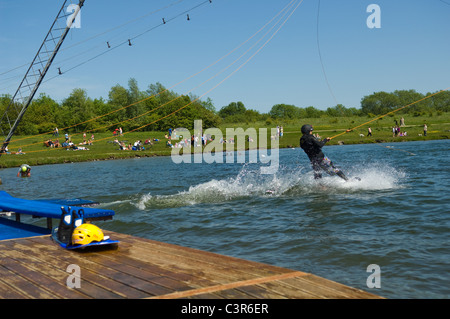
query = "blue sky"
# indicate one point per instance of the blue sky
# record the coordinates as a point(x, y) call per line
point(411, 50)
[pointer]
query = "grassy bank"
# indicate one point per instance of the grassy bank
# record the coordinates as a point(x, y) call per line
point(103, 147)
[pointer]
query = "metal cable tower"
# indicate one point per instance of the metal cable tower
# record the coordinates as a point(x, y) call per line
point(37, 71)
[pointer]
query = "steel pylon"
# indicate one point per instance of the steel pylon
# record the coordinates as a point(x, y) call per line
point(37, 70)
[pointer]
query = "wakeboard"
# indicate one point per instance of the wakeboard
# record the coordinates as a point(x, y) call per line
point(105, 241)
point(70, 219)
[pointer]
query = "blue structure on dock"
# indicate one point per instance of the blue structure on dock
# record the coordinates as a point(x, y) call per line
point(50, 209)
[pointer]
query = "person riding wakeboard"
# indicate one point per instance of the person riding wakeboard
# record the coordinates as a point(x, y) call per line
point(313, 148)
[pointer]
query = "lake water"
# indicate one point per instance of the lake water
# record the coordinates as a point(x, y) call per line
point(396, 217)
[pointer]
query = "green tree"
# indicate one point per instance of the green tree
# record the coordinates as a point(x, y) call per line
point(341, 111)
point(100, 109)
point(379, 103)
point(117, 100)
point(253, 116)
point(76, 109)
point(42, 114)
point(440, 102)
point(135, 108)
point(5, 101)
point(234, 108)
point(182, 112)
point(284, 111)
point(311, 112)
point(406, 97)
point(160, 94)
point(209, 105)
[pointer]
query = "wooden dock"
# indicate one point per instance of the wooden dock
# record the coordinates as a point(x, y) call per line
point(37, 268)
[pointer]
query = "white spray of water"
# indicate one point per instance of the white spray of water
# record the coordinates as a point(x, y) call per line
point(286, 182)
point(373, 177)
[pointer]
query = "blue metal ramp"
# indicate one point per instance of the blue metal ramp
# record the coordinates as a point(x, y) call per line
point(49, 209)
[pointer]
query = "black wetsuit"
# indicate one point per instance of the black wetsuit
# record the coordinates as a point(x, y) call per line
point(313, 148)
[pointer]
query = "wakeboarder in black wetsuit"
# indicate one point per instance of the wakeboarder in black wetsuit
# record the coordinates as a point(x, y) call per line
point(313, 148)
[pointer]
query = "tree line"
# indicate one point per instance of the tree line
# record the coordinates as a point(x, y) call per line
point(378, 103)
point(157, 109)
point(129, 108)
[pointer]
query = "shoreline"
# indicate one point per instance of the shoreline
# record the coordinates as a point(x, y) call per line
point(149, 154)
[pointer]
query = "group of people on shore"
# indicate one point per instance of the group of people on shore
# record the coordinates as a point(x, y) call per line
point(397, 129)
point(68, 144)
point(194, 140)
point(118, 132)
point(280, 131)
point(136, 146)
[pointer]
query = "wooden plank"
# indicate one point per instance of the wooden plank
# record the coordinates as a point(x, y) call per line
point(289, 291)
point(50, 265)
point(8, 292)
point(155, 273)
point(175, 266)
point(232, 285)
point(178, 279)
point(200, 264)
point(142, 268)
point(30, 270)
point(9, 287)
point(195, 255)
point(95, 272)
point(328, 289)
point(21, 284)
point(258, 292)
point(141, 279)
point(52, 262)
point(166, 259)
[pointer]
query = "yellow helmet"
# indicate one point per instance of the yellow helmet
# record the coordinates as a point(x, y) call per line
point(85, 234)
